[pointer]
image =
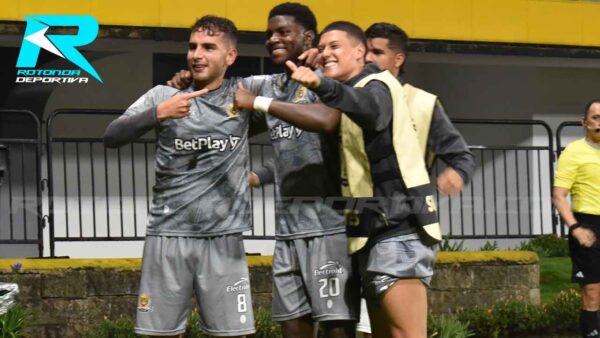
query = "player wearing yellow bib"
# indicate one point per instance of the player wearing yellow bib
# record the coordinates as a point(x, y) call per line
point(578, 174)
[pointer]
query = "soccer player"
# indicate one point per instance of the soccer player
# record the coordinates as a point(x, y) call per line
point(380, 158)
point(578, 174)
point(312, 270)
point(201, 202)
point(387, 47)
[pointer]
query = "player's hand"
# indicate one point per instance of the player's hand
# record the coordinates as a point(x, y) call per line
point(585, 237)
point(450, 182)
point(253, 180)
point(181, 80)
point(312, 58)
point(178, 106)
point(243, 99)
point(304, 75)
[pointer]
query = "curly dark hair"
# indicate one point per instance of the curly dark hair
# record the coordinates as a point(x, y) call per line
point(398, 39)
point(215, 24)
point(301, 13)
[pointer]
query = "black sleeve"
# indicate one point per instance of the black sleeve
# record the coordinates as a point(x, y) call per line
point(266, 173)
point(370, 107)
point(126, 129)
point(447, 143)
point(258, 123)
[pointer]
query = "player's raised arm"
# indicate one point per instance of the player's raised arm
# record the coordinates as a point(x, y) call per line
point(143, 116)
point(178, 106)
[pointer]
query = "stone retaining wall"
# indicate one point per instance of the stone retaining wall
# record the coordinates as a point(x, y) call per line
point(68, 297)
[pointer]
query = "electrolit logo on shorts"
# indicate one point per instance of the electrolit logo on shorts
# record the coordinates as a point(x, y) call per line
point(242, 285)
point(62, 45)
point(330, 269)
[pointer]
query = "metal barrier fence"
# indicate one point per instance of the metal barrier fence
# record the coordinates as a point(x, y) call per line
point(509, 194)
point(101, 194)
point(21, 219)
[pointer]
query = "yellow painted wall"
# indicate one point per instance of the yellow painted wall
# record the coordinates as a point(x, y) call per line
point(563, 22)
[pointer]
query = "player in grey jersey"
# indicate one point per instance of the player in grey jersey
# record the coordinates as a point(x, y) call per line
point(201, 202)
point(312, 274)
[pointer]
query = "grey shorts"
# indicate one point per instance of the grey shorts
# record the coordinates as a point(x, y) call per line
point(214, 268)
point(314, 276)
point(392, 259)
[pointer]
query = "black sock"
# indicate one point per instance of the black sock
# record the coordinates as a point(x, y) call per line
point(588, 322)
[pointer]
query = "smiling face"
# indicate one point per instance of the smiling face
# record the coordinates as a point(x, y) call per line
point(286, 38)
point(343, 56)
point(209, 55)
point(592, 123)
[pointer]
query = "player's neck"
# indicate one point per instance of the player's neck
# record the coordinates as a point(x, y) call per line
point(212, 85)
point(592, 141)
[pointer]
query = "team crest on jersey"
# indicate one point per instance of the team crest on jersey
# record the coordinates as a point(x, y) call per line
point(144, 303)
point(231, 112)
point(242, 285)
point(331, 268)
point(300, 93)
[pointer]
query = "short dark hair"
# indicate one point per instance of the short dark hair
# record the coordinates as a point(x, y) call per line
point(350, 29)
point(397, 37)
point(588, 106)
point(215, 24)
point(301, 13)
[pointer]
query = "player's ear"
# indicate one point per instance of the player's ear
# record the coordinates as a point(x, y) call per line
point(361, 51)
point(399, 60)
point(231, 56)
point(308, 39)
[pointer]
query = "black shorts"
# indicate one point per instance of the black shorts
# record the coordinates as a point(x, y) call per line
point(586, 261)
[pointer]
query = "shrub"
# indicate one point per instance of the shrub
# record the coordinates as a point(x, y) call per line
point(489, 246)
point(13, 322)
point(265, 326)
point(447, 327)
point(481, 321)
point(547, 246)
point(120, 328)
point(514, 317)
point(563, 311)
point(445, 245)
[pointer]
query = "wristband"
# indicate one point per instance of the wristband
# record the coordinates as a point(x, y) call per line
point(573, 227)
point(262, 103)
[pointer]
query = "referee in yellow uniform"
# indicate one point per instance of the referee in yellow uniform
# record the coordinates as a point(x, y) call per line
point(578, 173)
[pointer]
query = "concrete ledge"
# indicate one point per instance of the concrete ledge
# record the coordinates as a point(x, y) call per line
point(33, 264)
point(67, 297)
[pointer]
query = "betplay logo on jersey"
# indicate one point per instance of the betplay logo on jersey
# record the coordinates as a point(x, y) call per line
point(62, 45)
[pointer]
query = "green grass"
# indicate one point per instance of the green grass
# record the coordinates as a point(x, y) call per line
point(555, 275)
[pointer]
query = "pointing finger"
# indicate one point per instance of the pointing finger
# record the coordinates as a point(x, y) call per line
point(197, 93)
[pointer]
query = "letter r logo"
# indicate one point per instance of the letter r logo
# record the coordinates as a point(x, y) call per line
point(61, 45)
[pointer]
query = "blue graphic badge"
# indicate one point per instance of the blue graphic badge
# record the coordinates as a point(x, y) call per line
point(61, 45)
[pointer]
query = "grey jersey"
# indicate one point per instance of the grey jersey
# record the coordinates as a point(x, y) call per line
point(306, 167)
point(201, 186)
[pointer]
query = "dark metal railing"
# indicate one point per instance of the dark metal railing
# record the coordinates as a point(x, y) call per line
point(101, 194)
point(506, 197)
point(21, 219)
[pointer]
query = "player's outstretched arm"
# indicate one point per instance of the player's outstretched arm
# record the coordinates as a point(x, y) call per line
point(132, 125)
point(310, 117)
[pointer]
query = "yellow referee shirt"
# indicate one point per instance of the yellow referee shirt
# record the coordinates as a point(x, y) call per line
point(578, 170)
